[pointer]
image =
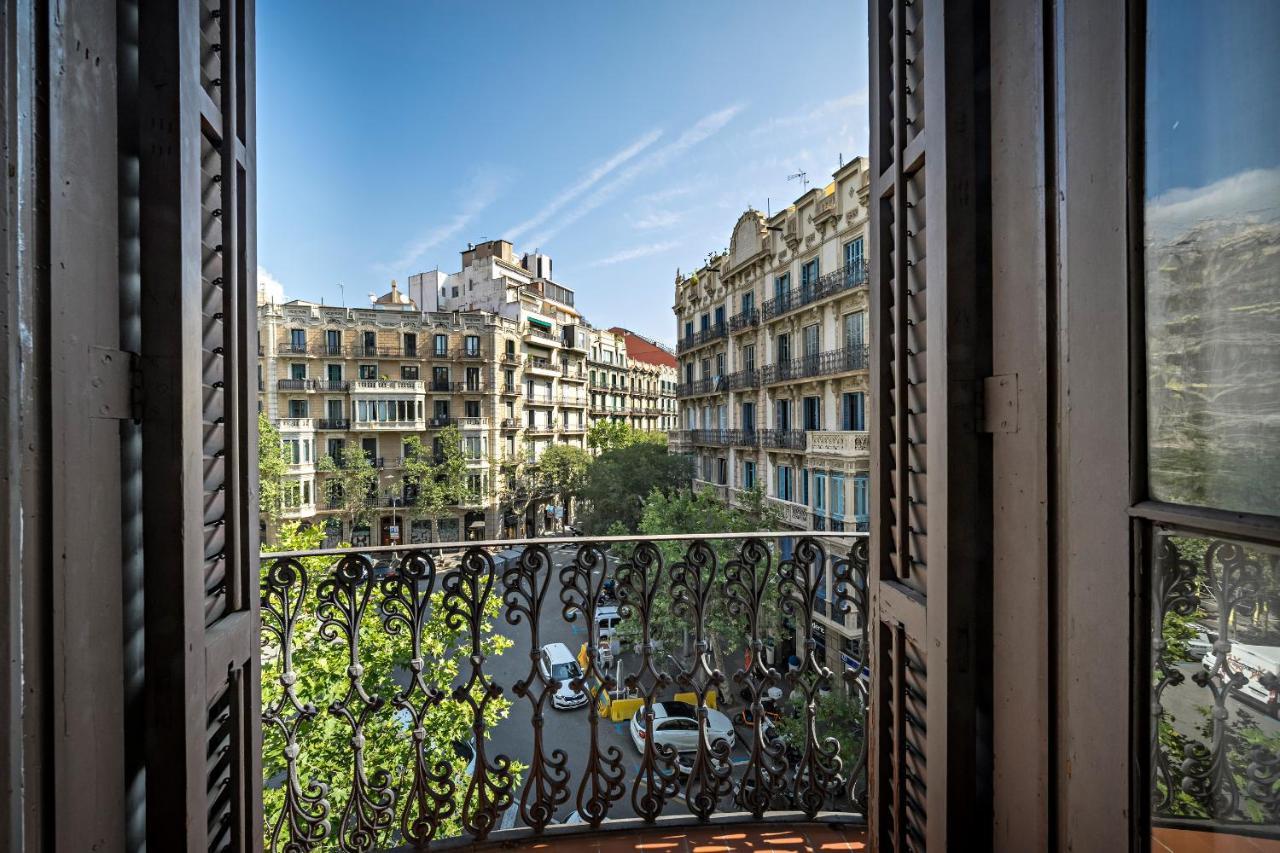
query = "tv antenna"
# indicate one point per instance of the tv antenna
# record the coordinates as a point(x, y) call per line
point(802, 177)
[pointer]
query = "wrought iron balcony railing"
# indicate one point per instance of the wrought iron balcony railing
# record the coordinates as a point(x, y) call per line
point(392, 717)
point(719, 330)
point(785, 439)
point(846, 278)
point(819, 364)
point(744, 320)
point(709, 385)
point(742, 379)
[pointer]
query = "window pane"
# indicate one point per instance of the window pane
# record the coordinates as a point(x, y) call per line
point(1212, 246)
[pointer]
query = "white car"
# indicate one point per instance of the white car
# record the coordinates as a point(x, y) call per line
point(1199, 645)
point(675, 724)
point(557, 663)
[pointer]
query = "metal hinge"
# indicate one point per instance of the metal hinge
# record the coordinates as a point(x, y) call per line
point(115, 384)
point(999, 404)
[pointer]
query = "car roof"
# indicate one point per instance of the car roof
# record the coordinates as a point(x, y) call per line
point(558, 652)
point(672, 708)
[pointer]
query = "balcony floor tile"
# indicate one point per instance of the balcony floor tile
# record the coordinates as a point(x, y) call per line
point(708, 839)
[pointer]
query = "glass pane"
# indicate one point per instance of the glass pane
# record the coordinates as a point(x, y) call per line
point(1215, 681)
point(1212, 246)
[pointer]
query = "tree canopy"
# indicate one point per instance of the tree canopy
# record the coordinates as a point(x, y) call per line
point(619, 481)
point(351, 484)
point(271, 467)
point(436, 480)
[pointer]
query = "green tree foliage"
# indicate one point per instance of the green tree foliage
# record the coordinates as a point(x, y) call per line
point(700, 512)
point(604, 436)
point(838, 713)
point(350, 485)
point(271, 467)
point(619, 482)
point(562, 470)
point(321, 666)
point(439, 481)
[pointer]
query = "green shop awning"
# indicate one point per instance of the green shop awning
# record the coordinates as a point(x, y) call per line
point(540, 324)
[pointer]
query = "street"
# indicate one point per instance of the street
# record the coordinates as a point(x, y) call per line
point(1183, 703)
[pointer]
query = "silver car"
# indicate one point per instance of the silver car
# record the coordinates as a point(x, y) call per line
point(675, 724)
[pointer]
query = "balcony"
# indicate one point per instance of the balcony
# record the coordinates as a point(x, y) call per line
point(742, 379)
point(434, 616)
point(847, 277)
point(541, 365)
point(572, 374)
point(362, 351)
point(295, 424)
point(512, 390)
point(509, 423)
point(709, 385)
point(744, 320)
point(783, 439)
point(333, 424)
point(473, 423)
point(825, 208)
point(407, 425)
point(541, 337)
point(292, 349)
point(471, 353)
point(576, 402)
point(444, 386)
point(367, 385)
point(538, 398)
point(826, 363)
point(724, 437)
point(842, 443)
point(697, 339)
point(442, 421)
point(540, 428)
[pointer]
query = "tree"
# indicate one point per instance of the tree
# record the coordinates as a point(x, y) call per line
point(619, 481)
point(351, 485)
point(272, 463)
point(437, 480)
point(320, 666)
point(606, 435)
point(563, 471)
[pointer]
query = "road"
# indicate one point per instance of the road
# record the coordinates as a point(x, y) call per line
point(1183, 703)
point(566, 730)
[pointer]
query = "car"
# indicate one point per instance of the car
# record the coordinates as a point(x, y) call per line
point(675, 725)
point(1200, 645)
point(466, 750)
point(557, 663)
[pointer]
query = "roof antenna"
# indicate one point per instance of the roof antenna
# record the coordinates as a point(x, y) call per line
point(802, 177)
point(768, 207)
point(841, 159)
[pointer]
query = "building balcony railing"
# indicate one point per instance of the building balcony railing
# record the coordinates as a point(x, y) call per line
point(334, 423)
point(299, 424)
point(441, 421)
point(293, 384)
point(540, 427)
point(512, 390)
point(847, 277)
point(387, 426)
point(365, 385)
point(442, 386)
point(744, 320)
point(363, 351)
point(358, 662)
point(471, 352)
point(509, 423)
point(819, 364)
point(838, 442)
point(537, 362)
point(825, 207)
point(438, 353)
point(578, 402)
point(785, 439)
point(473, 387)
point(331, 385)
point(510, 358)
point(697, 339)
point(292, 349)
point(572, 374)
point(709, 385)
point(542, 335)
point(568, 427)
point(742, 379)
point(724, 437)
point(473, 423)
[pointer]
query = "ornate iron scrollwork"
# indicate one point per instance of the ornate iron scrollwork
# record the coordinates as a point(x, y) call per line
point(638, 581)
point(489, 790)
point(817, 776)
point(526, 581)
point(603, 783)
point(304, 819)
point(849, 576)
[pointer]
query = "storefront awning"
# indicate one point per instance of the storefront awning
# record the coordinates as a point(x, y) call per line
point(540, 324)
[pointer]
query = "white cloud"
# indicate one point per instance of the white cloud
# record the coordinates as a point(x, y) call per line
point(270, 288)
point(658, 219)
point(635, 252)
point(702, 130)
point(1245, 196)
point(844, 104)
point(481, 192)
point(589, 180)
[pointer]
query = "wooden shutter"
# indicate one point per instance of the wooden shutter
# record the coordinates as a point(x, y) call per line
point(198, 282)
point(929, 258)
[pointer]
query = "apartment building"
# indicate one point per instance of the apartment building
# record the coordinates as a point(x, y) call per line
point(773, 362)
point(632, 380)
point(511, 381)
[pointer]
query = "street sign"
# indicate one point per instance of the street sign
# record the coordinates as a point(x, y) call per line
point(395, 531)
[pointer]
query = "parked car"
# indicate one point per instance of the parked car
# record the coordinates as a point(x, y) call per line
point(1261, 666)
point(675, 724)
point(466, 750)
point(557, 663)
point(1200, 645)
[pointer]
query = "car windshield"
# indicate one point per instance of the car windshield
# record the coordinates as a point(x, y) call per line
point(565, 671)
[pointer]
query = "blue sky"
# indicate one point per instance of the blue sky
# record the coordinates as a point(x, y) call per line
point(623, 139)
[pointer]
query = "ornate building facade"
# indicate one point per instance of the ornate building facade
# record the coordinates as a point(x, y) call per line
point(773, 358)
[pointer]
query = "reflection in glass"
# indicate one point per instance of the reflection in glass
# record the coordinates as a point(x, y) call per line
point(1215, 736)
point(1212, 253)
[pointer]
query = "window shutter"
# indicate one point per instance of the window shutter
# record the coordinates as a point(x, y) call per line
point(199, 343)
point(931, 492)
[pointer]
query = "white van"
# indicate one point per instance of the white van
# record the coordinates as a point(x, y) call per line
point(1257, 663)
